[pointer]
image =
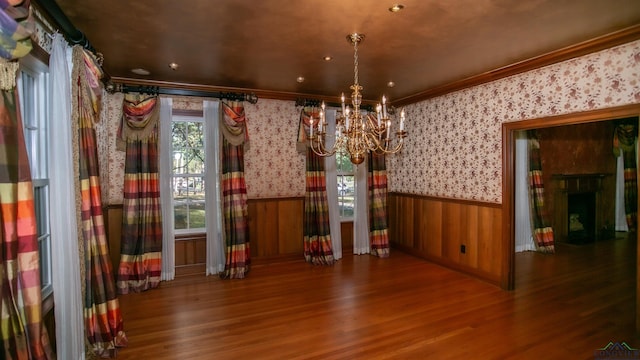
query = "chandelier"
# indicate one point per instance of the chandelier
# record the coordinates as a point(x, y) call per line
point(358, 133)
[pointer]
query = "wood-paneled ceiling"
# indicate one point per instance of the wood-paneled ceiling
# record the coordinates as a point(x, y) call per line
point(266, 45)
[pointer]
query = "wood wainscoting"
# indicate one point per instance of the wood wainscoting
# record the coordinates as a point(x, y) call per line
point(459, 234)
point(113, 226)
point(275, 230)
point(275, 226)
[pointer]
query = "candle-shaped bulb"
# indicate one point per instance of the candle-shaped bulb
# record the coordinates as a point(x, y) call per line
point(402, 117)
point(384, 107)
point(342, 101)
point(378, 113)
point(311, 126)
point(346, 116)
point(388, 128)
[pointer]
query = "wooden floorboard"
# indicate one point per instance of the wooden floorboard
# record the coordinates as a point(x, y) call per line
point(565, 306)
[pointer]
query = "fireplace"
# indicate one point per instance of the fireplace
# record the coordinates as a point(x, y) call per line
point(576, 204)
point(581, 214)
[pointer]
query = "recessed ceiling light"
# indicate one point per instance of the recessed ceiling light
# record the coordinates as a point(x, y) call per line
point(396, 7)
point(174, 66)
point(300, 79)
point(391, 84)
point(140, 71)
point(327, 58)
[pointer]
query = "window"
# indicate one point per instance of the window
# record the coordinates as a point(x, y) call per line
point(346, 185)
point(33, 88)
point(188, 174)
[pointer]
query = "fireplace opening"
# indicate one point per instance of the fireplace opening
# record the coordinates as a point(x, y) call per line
point(581, 216)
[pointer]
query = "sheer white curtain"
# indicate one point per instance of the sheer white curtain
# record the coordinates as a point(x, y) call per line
point(168, 271)
point(215, 258)
point(65, 270)
point(331, 179)
point(523, 231)
point(361, 243)
point(621, 219)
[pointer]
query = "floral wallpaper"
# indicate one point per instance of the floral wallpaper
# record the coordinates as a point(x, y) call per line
point(273, 167)
point(454, 147)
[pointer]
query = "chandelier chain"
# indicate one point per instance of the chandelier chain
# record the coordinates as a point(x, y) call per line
point(355, 62)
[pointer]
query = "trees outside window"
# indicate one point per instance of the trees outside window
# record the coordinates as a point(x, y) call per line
point(346, 185)
point(188, 174)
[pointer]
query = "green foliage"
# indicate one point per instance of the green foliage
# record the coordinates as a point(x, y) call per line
point(343, 163)
point(188, 147)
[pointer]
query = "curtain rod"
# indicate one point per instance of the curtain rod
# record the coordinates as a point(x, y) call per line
point(156, 90)
point(70, 32)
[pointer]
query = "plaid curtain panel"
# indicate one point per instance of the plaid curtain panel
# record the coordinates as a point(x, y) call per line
point(317, 234)
point(103, 319)
point(141, 246)
point(630, 189)
point(542, 233)
point(236, 225)
point(625, 137)
point(21, 328)
point(378, 228)
point(234, 191)
point(22, 331)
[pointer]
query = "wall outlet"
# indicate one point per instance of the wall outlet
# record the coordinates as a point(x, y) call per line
point(463, 249)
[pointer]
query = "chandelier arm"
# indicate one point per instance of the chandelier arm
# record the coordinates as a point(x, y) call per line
point(373, 141)
point(396, 149)
point(320, 149)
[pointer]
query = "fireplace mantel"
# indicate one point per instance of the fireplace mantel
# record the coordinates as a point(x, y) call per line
point(577, 183)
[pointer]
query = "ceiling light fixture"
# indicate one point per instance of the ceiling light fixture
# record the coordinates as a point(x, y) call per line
point(140, 71)
point(391, 84)
point(174, 66)
point(300, 79)
point(357, 133)
point(327, 58)
point(396, 7)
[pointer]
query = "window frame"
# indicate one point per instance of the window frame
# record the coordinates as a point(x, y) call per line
point(180, 233)
point(35, 109)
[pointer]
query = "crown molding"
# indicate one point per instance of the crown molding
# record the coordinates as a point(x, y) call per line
point(584, 48)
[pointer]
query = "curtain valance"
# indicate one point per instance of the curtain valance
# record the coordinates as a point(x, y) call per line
point(140, 115)
point(90, 80)
point(234, 123)
point(624, 137)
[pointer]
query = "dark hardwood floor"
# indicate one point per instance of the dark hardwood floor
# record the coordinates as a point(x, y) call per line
point(565, 306)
